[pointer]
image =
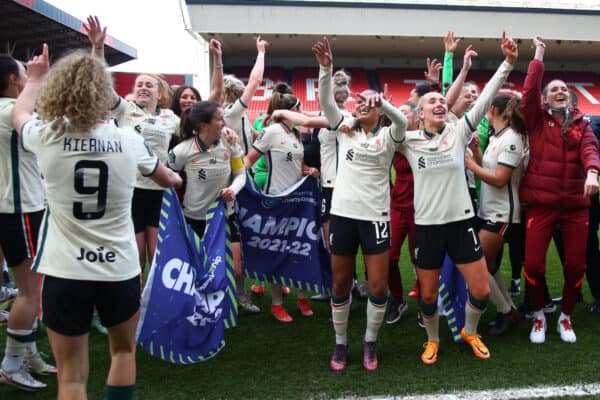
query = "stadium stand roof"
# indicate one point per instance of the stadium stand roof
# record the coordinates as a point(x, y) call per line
point(27, 24)
point(401, 33)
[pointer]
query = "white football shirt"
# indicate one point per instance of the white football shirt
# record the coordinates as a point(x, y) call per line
point(329, 154)
point(362, 186)
point(208, 171)
point(283, 154)
point(156, 129)
point(507, 148)
point(87, 232)
point(438, 161)
point(21, 187)
point(236, 118)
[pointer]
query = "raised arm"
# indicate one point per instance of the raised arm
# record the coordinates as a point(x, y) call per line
point(433, 72)
point(531, 102)
point(216, 86)
point(457, 85)
point(510, 51)
point(25, 104)
point(450, 45)
point(97, 35)
point(322, 52)
point(300, 119)
point(256, 75)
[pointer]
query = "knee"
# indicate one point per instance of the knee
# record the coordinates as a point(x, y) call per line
point(481, 292)
point(378, 289)
point(429, 297)
point(341, 288)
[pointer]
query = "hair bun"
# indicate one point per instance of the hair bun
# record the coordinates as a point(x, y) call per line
point(341, 78)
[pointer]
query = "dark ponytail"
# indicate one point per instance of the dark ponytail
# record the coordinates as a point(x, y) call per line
point(192, 118)
point(8, 66)
point(509, 109)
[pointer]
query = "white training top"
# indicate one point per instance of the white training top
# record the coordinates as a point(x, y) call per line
point(284, 154)
point(21, 187)
point(329, 154)
point(236, 119)
point(507, 148)
point(87, 233)
point(362, 187)
point(438, 162)
point(208, 171)
point(156, 129)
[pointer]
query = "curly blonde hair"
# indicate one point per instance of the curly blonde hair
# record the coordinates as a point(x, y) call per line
point(76, 92)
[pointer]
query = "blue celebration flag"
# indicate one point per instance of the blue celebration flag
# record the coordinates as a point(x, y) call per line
point(281, 236)
point(189, 297)
point(453, 294)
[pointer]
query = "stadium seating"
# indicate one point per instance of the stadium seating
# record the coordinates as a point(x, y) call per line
point(400, 82)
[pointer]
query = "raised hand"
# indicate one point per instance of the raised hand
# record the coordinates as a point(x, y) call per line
point(386, 93)
point(261, 45)
point(538, 41)
point(433, 70)
point(38, 66)
point(450, 43)
point(372, 100)
point(322, 52)
point(215, 48)
point(95, 33)
point(509, 49)
point(469, 53)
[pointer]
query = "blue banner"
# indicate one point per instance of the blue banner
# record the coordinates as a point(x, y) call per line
point(281, 236)
point(453, 296)
point(189, 297)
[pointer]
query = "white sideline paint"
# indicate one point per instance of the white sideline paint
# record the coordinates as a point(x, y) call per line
point(540, 392)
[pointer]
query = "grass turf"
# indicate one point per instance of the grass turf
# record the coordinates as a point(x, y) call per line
point(267, 359)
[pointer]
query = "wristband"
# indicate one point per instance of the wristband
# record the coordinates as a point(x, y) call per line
point(260, 55)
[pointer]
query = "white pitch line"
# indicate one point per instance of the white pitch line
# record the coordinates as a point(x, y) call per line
point(540, 392)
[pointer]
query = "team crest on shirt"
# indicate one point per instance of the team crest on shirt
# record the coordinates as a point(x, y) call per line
point(289, 156)
point(151, 121)
point(212, 160)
